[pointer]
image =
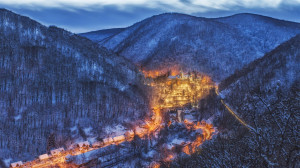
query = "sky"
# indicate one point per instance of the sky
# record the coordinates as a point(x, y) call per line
point(88, 15)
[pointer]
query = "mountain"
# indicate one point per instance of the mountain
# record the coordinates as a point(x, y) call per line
point(279, 67)
point(266, 31)
point(265, 94)
point(216, 47)
point(99, 35)
point(57, 87)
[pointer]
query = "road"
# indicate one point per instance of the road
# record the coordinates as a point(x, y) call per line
point(150, 126)
point(232, 112)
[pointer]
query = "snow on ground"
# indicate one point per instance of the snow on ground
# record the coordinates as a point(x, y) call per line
point(210, 120)
point(177, 141)
point(18, 117)
point(190, 117)
point(150, 154)
point(115, 130)
point(92, 140)
point(73, 128)
point(7, 161)
point(88, 130)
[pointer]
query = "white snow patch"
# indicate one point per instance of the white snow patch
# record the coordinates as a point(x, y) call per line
point(92, 140)
point(7, 161)
point(152, 43)
point(169, 146)
point(150, 154)
point(87, 131)
point(115, 130)
point(174, 38)
point(177, 141)
point(18, 117)
point(190, 118)
point(73, 128)
point(222, 96)
point(210, 120)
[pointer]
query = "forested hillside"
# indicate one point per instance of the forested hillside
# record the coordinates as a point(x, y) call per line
point(264, 31)
point(216, 47)
point(266, 95)
point(56, 86)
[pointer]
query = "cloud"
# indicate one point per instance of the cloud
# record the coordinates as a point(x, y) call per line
point(87, 15)
point(186, 6)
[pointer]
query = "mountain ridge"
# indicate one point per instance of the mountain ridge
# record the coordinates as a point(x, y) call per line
point(196, 43)
point(251, 66)
point(99, 35)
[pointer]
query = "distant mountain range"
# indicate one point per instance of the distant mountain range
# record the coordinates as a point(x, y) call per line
point(98, 36)
point(52, 80)
point(216, 46)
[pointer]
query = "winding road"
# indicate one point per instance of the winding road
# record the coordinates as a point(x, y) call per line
point(232, 112)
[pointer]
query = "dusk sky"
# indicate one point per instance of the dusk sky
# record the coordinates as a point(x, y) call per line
point(88, 15)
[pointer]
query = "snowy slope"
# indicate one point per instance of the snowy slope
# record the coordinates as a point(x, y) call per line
point(277, 73)
point(265, 94)
point(214, 46)
point(268, 32)
point(278, 67)
point(56, 83)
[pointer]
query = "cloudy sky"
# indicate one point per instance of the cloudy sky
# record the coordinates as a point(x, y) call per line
point(87, 15)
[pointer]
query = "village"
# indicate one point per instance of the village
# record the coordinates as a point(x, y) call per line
point(174, 96)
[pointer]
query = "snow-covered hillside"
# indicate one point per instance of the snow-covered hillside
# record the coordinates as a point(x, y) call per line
point(265, 31)
point(265, 94)
point(54, 85)
point(216, 47)
point(278, 68)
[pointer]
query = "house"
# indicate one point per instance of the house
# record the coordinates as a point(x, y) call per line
point(44, 156)
point(119, 139)
point(84, 144)
point(97, 144)
point(56, 151)
point(129, 134)
point(108, 141)
point(179, 115)
point(141, 131)
point(16, 164)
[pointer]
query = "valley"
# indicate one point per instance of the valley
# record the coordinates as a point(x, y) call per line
point(174, 98)
point(173, 90)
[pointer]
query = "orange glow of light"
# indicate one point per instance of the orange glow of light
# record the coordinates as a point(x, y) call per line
point(169, 123)
point(173, 71)
point(169, 158)
point(155, 165)
point(186, 149)
point(174, 92)
point(179, 91)
point(151, 74)
point(207, 132)
point(206, 79)
point(156, 122)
